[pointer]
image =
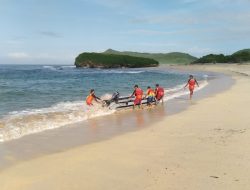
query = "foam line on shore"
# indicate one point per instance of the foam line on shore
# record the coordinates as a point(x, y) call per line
point(18, 124)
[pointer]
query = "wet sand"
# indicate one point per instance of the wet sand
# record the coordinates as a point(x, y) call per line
point(202, 147)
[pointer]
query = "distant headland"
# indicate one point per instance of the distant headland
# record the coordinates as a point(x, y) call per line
point(127, 59)
point(241, 56)
point(102, 60)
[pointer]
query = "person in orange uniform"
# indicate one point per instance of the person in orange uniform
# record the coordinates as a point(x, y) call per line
point(91, 97)
point(191, 84)
point(159, 93)
point(150, 96)
point(138, 93)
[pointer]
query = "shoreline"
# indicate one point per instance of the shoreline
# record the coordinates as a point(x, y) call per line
point(100, 128)
point(21, 122)
point(198, 148)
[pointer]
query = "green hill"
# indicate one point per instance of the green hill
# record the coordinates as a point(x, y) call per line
point(101, 60)
point(242, 51)
point(241, 56)
point(163, 58)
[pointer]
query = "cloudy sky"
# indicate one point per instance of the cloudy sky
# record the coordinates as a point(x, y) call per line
point(55, 32)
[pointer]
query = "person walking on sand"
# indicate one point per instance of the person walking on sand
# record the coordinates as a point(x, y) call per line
point(159, 93)
point(92, 97)
point(191, 84)
point(138, 93)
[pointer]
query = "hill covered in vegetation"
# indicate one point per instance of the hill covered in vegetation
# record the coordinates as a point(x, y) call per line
point(163, 58)
point(103, 60)
point(241, 56)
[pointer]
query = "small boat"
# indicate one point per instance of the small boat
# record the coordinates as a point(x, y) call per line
point(119, 102)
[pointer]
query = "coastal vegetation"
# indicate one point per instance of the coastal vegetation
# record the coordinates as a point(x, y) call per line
point(102, 60)
point(162, 58)
point(117, 59)
point(241, 56)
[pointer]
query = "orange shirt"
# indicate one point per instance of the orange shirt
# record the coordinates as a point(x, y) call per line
point(89, 99)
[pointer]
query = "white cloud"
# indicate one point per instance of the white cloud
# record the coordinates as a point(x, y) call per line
point(231, 1)
point(148, 32)
point(22, 56)
point(18, 55)
point(220, 13)
point(189, 1)
point(14, 42)
point(48, 56)
point(114, 3)
point(187, 31)
point(174, 18)
point(155, 44)
point(195, 50)
point(50, 34)
point(215, 1)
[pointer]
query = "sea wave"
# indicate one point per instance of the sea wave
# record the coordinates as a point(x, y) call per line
point(18, 124)
point(179, 90)
point(112, 71)
point(68, 66)
point(21, 123)
point(58, 67)
point(49, 67)
point(93, 71)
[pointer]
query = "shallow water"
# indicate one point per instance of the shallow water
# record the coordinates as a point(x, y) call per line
point(37, 98)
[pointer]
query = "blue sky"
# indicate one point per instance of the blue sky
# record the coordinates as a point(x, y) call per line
point(55, 32)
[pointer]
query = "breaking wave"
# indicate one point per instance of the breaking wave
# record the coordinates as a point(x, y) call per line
point(94, 71)
point(20, 123)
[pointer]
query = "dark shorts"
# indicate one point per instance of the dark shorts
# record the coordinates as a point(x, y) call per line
point(150, 99)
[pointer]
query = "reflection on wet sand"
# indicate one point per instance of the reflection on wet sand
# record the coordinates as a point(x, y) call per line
point(81, 133)
point(140, 120)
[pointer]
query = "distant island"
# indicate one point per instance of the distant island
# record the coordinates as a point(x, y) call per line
point(241, 56)
point(103, 60)
point(116, 59)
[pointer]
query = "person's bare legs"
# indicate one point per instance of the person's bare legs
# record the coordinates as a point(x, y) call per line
point(191, 94)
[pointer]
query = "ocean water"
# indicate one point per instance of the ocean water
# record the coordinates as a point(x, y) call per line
point(35, 98)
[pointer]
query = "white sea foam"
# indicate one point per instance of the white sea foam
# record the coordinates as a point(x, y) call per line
point(94, 71)
point(18, 124)
point(52, 68)
point(179, 90)
point(68, 66)
point(58, 67)
point(114, 71)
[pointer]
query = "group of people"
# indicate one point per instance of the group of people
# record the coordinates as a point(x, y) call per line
point(152, 95)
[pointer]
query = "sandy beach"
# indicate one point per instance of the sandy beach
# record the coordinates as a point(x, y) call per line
point(201, 148)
